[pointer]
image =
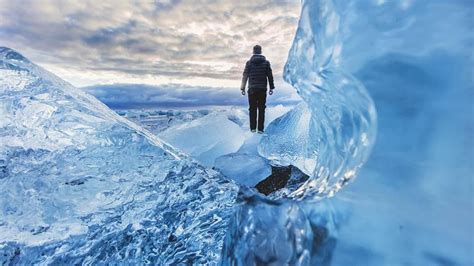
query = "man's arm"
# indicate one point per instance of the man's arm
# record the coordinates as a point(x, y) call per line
point(270, 76)
point(245, 77)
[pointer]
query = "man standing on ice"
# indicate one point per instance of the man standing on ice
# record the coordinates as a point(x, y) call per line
point(257, 71)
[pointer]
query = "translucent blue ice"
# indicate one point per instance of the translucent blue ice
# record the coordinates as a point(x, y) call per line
point(330, 135)
point(413, 201)
point(80, 184)
point(245, 166)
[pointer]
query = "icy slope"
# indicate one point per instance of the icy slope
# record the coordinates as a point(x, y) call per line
point(206, 138)
point(80, 184)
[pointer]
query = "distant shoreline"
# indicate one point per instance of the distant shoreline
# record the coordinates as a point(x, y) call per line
point(193, 107)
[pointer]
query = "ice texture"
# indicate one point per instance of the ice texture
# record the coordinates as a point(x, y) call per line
point(413, 203)
point(245, 166)
point(206, 138)
point(284, 232)
point(80, 184)
point(330, 135)
point(269, 234)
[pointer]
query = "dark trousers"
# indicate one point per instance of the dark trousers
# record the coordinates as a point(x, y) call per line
point(257, 101)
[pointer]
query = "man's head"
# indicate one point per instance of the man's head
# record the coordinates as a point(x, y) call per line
point(257, 49)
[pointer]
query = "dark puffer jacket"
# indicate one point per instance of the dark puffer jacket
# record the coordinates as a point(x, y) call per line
point(257, 70)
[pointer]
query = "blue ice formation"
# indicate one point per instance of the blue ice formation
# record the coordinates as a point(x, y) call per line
point(414, 203)
point(330, 135)
point(283, 232)
point(245, 166)
point(80, 184)
point(203, 138)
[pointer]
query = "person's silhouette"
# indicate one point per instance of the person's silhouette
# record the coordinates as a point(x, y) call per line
point(257, 72)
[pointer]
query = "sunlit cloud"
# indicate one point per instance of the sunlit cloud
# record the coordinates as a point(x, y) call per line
point(198, 43)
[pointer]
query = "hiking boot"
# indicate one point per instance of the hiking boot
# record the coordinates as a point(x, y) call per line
point(260, 132)
point(253, 130)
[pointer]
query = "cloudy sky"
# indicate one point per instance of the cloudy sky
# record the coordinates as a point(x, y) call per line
point(193, 43)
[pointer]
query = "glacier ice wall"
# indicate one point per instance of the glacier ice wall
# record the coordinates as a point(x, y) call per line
point(80, 184)
point(330, 135)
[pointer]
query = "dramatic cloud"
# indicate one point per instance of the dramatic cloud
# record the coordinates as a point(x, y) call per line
point(198, 43)
point(125, 96)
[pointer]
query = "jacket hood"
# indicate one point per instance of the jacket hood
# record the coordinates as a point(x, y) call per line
point(257, 59)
